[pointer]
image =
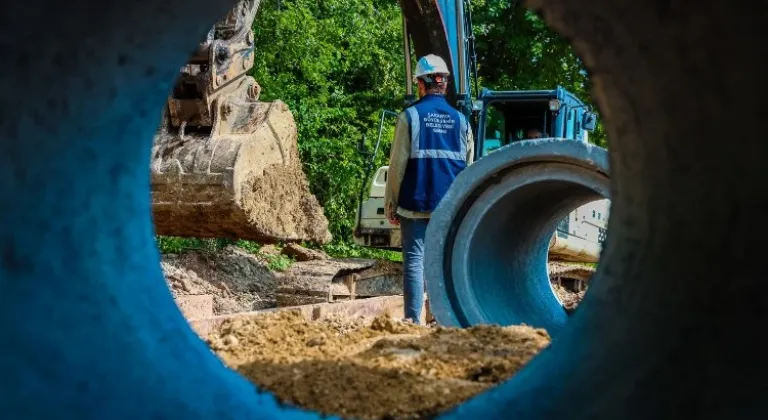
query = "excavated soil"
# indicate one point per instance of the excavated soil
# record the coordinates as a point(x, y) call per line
point(254, 187)
point(567, 291)
point(385, 369)
point(280, 205)
point(238, 280)
point(569, 298)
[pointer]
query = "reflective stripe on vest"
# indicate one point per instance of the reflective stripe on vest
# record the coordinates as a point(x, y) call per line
point(417, 153)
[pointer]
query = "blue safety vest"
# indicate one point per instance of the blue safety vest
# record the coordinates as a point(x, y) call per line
point(438, 152)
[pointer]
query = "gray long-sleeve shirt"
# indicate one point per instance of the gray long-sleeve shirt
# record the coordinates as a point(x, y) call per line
point(398, 161)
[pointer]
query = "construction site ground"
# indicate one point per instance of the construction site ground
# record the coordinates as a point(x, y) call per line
point(353, 358)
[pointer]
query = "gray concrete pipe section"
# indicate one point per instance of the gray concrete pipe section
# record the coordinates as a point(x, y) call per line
point(487, 243)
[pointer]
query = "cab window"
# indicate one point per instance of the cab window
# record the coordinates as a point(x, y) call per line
point(508, 122)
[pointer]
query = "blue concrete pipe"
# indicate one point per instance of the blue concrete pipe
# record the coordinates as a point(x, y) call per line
point(91, 331)
point(90, 328)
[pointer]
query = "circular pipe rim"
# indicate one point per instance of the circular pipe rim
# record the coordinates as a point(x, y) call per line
point(468, 187)
point(525, 293)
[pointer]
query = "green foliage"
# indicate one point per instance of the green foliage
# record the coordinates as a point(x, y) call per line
point(337, 64)
point(516, 50)
point(176, 245)
point(350, 250)
point(278, 262)
point(250, 246)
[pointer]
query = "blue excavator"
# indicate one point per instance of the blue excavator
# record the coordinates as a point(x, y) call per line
point(501, 120)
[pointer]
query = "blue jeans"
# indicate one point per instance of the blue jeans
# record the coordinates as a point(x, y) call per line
point(413, 232)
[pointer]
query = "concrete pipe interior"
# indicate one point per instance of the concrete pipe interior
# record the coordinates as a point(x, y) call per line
point(499, 251)
point(94, 330)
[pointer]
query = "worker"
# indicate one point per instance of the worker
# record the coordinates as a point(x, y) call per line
point(433, 143)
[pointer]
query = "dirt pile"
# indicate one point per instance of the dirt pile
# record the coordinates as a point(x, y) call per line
point(238, 280)
point(280, 205)
point(386, 369)
point(570, 299)
point(243, 179)
point(570, 282)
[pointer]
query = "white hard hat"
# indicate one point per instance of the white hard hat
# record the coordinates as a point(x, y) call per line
point(431, 64)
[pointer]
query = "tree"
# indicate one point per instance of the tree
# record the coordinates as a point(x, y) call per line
point(337, 64)
point(517, 50)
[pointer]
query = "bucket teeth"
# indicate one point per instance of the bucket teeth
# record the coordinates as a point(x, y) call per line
point(224, 164)
point(246, 183)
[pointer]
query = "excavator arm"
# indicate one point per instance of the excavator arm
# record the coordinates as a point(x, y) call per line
point(226, 165)
point(439, 27)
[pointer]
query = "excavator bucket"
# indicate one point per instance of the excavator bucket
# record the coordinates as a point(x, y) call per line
point(225, 164)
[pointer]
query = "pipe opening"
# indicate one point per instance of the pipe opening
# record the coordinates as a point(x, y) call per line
point(574, 251)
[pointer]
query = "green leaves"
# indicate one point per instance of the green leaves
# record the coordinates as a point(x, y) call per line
point(337, 64)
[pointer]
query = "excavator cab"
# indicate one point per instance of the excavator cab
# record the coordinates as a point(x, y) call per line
point(512, 116)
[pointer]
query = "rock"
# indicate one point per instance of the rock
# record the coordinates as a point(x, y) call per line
point(299, 253)
point(317, 341)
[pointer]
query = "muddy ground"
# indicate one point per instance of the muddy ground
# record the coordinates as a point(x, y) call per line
point(383, 370)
